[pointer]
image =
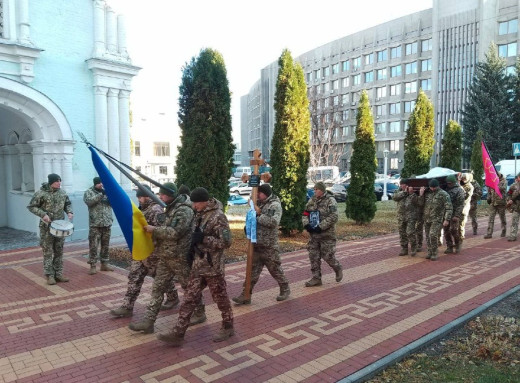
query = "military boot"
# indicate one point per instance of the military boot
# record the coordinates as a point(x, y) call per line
point(487, 236)
point(225, 332)
point(170, 304)
point(285, 291)
point(474, 231)
point(313, 282)
point(92, 270)
point(105, 267)
point(241, 300)
point(339, 273)
point(199, 316)
point(404, 251)
point(511, 239)
point(433, 258)
point(458, 247)
point(503, 234)
point(414, 252)
point(419, 247)
point(61, 278)
point(172, 339)
point(146, 326)
point(449, 250)
point(121, 312)
point(51, 280)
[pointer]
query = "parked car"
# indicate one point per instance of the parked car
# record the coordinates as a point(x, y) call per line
point(378, 190)
point(339, 192)
point(236, 200)
point(241, 188)
point(391, 188)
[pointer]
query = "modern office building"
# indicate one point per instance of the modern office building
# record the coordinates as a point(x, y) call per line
point(435, 50)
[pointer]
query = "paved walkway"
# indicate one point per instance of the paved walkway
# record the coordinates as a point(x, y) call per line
point(385, 307)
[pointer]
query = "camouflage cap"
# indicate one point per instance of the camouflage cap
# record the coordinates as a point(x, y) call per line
point(451, 179)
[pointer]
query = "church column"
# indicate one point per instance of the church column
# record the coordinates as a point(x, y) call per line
point(124, 134)
point(113, 129)
point(23, 22)
point(121, 36)
point(3, 187)
point(111, 28)
point(99, 28)
point(101, 118)
point(67, 174)
point(27, 182)
point(40, 171)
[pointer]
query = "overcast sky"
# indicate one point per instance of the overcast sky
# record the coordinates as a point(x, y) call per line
point(163, 35)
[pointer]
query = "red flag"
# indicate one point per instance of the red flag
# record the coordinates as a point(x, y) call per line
point(490, 171)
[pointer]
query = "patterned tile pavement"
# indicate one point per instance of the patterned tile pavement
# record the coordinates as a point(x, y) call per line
point(385, 307)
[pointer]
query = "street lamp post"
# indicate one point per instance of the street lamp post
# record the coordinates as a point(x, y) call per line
point(385, 170)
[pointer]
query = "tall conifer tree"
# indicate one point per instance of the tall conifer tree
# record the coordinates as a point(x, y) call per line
point(290, 143)
point(451, 152)
point(361, 200)
point(206, 152)
point(419, 141)
point(476, 158)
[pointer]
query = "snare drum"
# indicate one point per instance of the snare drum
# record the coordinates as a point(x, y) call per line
point(61, 228)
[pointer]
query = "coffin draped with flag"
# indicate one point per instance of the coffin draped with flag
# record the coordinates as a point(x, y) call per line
point(130, 218)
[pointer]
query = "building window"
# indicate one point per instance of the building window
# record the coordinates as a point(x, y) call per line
point(426, 84)
point(395, 127)
point(335, 84)
point(163, 170)
point(410, 49)
point(381, 128)
point(426, 45)
point(326, 86)
point(137, 148)
point(395, 52)
point(345, 131)
point(507, 50)
point(337, 117)
point(395, 108)
point(326, 71)
point(336, 100)
point(394, 163)
point(346, 114)
point(356, 79)
point(426, 65)
point(382, 56)
point(369, 59)
point(309, 77)
point(379, 110)
point(369, 77)
point(407, 123)
point(395, 90)
point(326, 102)
point(381, 92)
point(507, 27)
point(410, 87)
point(394, 145)
point(317, 74)
point(318, 89)
point(345, 82)
point(344, 99)
point(345, 65)
point(335, 68)
point(356, 63)
point(410, 68)
point(381, 74)
point(395, 71)
point(408, 106)
point(161, 149)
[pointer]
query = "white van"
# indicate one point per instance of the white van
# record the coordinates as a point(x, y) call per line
point(242, 170)
point(507, 167)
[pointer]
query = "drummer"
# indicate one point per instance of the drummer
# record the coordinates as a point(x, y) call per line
point(50, 203)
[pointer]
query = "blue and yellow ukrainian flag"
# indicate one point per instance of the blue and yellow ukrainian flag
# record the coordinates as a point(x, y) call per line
point(130, 218)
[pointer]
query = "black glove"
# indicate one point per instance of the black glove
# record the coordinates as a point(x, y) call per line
point(197, 237)
point(309, 228)
point(489, 202)
point(317, 229)
point(103, 191)
point(245, 231)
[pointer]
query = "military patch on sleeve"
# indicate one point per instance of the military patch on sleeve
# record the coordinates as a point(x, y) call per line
point(161, 218)
point(333, 208)
point(270, 212)
point(226, 236)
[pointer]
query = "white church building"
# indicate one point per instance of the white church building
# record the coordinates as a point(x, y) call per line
point(64, 69)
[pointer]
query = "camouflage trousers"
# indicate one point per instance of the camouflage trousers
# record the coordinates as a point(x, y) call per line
point(407, 233)
point(493, 210)
point(514, 225)
point(138, 271)
point(52, 252)
point(193, 295)
point(452, 233)
point(473, 215)
point(270, 258)
point(322, 249)
point(167, 270)
point(432, 233)
point(419, 230)
point(98, 238)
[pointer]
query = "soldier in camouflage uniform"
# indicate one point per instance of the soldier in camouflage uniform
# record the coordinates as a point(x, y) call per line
point(437, 214)
point(140, 269)
point(407, 202)
point(172, 243)
point(465, 183)
point(452, 233)
point(50, 203)
point(211, 236)
point(266, 251)
point(319, 219)
point(100, 225)
point(477, 194)
point(497, 205)
point(513, 204)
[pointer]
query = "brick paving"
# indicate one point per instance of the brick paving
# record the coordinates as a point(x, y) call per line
point(385, 306)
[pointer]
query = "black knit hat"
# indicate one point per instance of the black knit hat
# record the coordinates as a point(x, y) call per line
point(266, 189)
point(169, 189)
point(434, 183)
point(53, 177)
point(140, 193)
point(199, 195)
point(96, 180)
point(183, 189)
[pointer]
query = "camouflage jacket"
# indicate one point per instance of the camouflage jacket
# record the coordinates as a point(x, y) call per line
point(325, 211)
point(172, 238)
point(468, 194)
point(151, 211)
point(456, 194)
point(268, 221)
point(209, 257)
point(437, 206)
point(493, 198)
point(52, 202)
point(407, 205)
point(514, 195)
point(99, 209)
point(477, 193)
